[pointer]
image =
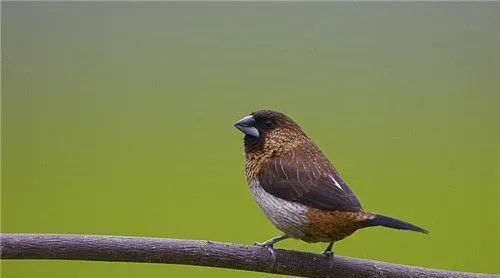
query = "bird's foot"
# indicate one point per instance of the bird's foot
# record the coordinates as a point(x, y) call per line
point(263, 244)
point(328, 253)
point(269, 247)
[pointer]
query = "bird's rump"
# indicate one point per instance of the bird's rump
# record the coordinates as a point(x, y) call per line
point(307, 177)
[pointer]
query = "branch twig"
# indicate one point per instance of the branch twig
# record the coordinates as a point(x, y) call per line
point(204, 253)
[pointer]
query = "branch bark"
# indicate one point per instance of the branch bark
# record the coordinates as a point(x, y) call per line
point(203, 253)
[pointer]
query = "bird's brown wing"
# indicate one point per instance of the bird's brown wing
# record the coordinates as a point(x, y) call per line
point(311, 181)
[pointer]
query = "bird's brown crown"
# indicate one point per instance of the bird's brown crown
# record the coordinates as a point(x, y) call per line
point(278, 135)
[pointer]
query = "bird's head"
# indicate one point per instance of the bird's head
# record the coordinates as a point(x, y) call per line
point(270, 133)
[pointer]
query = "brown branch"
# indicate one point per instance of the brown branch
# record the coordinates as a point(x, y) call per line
point(203, 253)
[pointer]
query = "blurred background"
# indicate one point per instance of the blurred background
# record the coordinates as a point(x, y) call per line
point(117, 120)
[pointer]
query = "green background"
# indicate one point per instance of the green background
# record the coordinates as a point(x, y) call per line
point(117, 120)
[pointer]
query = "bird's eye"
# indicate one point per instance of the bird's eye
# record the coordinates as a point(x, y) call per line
point(268, 124)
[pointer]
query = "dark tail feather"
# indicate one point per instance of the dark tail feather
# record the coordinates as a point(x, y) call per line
point(386, 221)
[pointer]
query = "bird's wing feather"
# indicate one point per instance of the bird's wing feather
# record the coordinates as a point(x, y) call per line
point(307, 178)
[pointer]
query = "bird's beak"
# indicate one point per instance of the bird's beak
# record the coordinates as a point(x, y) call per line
point(246, 125)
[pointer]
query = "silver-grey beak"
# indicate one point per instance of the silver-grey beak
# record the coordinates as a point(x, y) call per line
point(246, 125)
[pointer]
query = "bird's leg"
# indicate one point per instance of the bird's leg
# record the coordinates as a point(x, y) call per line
point(328, 251)
point(271, 242)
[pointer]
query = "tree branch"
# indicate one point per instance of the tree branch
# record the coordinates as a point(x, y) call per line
point(203, 253)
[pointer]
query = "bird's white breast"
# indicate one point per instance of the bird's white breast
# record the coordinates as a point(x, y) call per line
point(289, 217)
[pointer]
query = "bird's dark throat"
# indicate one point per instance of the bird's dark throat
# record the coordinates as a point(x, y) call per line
point(252, 143)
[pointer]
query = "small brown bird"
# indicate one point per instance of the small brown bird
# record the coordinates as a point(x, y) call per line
point(297, 187)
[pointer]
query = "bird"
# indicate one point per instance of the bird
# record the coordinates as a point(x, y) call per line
point(298, 188)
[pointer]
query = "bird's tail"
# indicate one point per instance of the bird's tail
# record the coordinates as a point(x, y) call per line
point(386, 221)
